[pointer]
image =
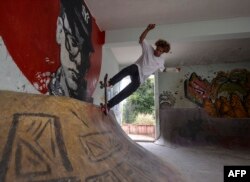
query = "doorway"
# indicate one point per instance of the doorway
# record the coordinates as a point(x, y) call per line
point(138, 112)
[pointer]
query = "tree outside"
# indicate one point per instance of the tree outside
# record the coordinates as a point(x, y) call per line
point(140, 102)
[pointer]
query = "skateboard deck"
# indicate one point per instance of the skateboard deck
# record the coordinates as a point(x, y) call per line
point(103, 85)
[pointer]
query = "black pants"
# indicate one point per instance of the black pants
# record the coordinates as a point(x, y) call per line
point(131, 71)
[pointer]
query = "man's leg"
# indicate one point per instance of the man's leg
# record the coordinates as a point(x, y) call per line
point(129, 70)
point(128, 90)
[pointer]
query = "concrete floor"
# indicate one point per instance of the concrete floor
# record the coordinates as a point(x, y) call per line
point(141, 137)
point(199, 164)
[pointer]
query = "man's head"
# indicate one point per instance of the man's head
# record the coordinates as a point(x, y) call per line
point(161, 47)
point(74, 27)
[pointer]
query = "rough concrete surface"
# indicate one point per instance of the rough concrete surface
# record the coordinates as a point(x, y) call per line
point(58, 139)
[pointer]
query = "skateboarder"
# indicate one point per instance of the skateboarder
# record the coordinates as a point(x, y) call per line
point(149, 62)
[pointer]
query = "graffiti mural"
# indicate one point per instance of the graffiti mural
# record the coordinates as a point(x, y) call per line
point(167, 99)
point(74, 29)
point(226, 95)
point(55, 45)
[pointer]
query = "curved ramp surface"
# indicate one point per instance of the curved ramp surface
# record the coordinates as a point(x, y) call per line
point(58, 139)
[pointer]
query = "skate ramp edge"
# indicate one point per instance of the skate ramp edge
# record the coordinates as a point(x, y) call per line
point(193, 127)
point(49, 138)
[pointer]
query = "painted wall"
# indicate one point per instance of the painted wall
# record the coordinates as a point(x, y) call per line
point(187, 118)
point(226, 95)
point(42, 39)
point(172, 83)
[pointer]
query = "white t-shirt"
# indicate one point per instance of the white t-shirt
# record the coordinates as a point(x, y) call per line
point(148, 63)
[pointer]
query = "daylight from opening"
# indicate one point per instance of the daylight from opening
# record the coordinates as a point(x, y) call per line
point(138, 111)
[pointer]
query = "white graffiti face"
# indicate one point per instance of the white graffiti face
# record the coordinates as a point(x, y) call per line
point(69, 53)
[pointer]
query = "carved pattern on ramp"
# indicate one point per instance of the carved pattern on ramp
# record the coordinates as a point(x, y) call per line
point(131, 173)
point(35, 149)
point(108, 176)
point(126, 170)
point(100, 146)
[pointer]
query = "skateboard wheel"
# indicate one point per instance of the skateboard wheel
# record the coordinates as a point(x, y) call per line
point(101, 84)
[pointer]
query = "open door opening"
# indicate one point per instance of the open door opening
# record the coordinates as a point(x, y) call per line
point(138, 112)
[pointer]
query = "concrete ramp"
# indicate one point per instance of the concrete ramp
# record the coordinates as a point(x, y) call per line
point(194, 127)
point(58, 139)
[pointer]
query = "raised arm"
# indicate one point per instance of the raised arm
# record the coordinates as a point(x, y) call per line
point(145, 32)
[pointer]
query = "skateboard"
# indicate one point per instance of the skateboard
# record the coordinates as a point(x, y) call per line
point(103, 84)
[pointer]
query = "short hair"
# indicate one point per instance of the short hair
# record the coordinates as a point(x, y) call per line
point(164, 44)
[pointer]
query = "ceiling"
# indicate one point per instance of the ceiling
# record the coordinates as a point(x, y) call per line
point(119, 15)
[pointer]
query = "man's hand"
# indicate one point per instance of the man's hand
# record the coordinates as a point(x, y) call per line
point(145, 32)
point(150, 26)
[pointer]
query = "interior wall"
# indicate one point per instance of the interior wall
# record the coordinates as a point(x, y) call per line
point(171, 83)
point(183, 120)
point(34, 47)
point(194, 127)
point(109, 66)
point(11, 76)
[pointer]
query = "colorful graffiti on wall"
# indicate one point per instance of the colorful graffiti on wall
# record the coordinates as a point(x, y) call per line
point(53, 39)
point(167, 99)
point(227, 95)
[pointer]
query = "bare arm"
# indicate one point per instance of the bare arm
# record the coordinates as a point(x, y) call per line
point(145, 32)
